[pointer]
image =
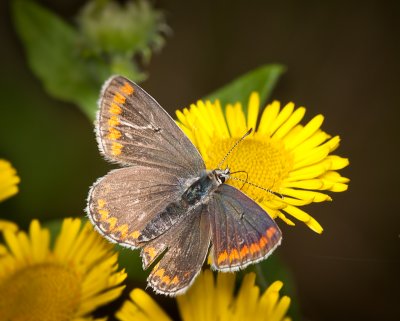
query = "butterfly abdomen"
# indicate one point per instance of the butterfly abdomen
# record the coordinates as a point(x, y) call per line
point(194, 195)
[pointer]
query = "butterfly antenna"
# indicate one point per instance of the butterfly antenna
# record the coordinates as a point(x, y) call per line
point(234, 146)
point(260, 187)
point(244, 181)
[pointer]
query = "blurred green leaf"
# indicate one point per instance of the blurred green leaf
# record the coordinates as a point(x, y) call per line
point(54, 227)
point(263, 80)
point(51, 47)
point(72, 62)
point(132, 262)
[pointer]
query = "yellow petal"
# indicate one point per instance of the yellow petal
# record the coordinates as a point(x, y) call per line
point(188, 133)
point(333, 143)
point(307, 131)
point(13, 244)
point(308, 172)
point(220, 124)
point(282, 117)
point(315, 140)
point(339, 187)
point(296, 201)
point(268, 118)
point(8, 225)
point(40, 240)
point(304, 217)
point(247, 297)
point(305, 184)
point(8, 180)
point(285, 219)
point(65, 240)
point(181, 117)
point(338, 162)
point(293, 120)
point(281, 309)
point(253, 109)
point(202, 119)
point(224, 288)
point(98, 300)
point(147, 304)
point(306, 195)
point(313, 157)
point(236, 120)
point(334, 177)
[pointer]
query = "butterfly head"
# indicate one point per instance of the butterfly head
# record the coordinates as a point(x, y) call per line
point(221, 175)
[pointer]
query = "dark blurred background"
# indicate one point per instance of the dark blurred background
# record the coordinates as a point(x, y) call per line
point(342, 60)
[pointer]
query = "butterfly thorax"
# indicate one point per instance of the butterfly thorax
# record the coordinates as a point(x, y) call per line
point(193, 197)
point(200, 190)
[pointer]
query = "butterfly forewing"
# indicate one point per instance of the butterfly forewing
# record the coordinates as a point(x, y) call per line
point(242, 232)
point(122, 203)
point(133, 129)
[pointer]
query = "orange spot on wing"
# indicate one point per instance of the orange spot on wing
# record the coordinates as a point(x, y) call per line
point(244, 251)
point(234, 255)
point(159, 273)
point(151, 252)
point(123, 229)
point(113, 121)
point(175, 280)
point(115, 109)
point(135, 235)
point(101, 202)
point(263, 242)
point(270, 232)
point(112, 221)
point(222, 257)
point(114, 134)
point(103, 214)
point(116, 149)
point(166, 279)
point(127, 89)
point(254, 248)
point(119, 98)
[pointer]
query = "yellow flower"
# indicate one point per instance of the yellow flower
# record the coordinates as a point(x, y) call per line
point(65, 282)
point(8, 180)
point(280, 155)
point(210, 300)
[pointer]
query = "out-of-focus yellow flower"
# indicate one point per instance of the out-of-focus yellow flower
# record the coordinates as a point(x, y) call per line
point(8, 180)
point(213, 300)
point(66, 282)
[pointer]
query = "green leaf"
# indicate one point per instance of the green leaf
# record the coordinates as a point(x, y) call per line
point(52, 51)
point(262, 80)
point(132, 262)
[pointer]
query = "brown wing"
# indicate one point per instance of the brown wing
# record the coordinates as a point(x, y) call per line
point(133, 129)
point(242, 232)
point(187, 246)
point(121, 203)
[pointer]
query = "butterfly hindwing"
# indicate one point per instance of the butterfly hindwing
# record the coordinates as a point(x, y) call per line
point(187, 247)
point(133, 129)
point(242, 232)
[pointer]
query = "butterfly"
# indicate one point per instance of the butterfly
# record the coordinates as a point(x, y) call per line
point(164, 201)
